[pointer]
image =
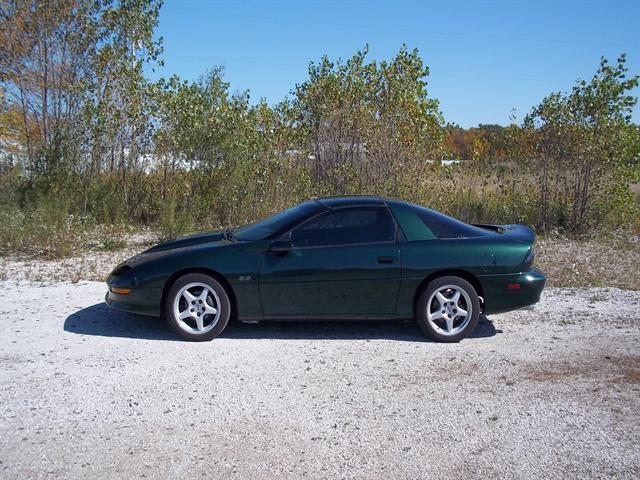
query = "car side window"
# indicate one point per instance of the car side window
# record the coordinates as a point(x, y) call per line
point(346, 226)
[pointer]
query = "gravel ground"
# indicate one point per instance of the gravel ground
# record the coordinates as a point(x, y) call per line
point(552, 392)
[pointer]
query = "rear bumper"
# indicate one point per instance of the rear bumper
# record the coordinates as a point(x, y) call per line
point(503, 293)
point(143, 301)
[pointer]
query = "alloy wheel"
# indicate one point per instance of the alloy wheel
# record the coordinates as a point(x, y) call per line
point(196, 308)
point(449, 310)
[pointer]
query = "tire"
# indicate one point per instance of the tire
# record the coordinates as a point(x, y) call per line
point(439, 315)
point(200, 314)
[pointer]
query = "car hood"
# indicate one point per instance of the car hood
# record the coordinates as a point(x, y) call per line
point(188, 241)
point(169, 249)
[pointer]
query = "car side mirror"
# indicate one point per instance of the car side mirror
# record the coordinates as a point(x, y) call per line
point(281, 246)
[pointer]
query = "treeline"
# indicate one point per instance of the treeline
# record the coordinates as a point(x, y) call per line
point(86, 138)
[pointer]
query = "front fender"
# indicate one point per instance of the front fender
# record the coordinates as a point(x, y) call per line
point(238, 263)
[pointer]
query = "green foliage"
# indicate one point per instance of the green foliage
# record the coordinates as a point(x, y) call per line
point(108, 147)
point(367, 119)
point(584, 150)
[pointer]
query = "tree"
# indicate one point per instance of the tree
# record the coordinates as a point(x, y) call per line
point(579, 141)
point(43, 68)
point(367, 119)
point(74, 71)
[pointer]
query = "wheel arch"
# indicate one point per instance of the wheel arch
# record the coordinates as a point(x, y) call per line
point(468, 276)
point(205, 271)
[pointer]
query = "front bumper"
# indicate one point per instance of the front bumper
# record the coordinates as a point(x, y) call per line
point(143, 301)
point(503, 293)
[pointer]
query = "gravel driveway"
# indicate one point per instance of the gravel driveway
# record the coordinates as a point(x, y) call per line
point(546, 393)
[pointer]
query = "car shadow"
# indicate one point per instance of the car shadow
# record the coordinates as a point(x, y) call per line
point(100, 320)
point(103, 321)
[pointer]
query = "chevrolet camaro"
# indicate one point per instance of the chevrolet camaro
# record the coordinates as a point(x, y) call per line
point(337, 258)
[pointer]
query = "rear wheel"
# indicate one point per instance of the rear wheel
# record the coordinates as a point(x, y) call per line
point(448, 309)
point(197, 307)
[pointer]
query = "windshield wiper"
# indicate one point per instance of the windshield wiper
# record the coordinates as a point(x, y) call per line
point(227, 234)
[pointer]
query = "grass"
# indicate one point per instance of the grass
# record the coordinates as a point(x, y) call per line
point(611, 261)
point(112, 245)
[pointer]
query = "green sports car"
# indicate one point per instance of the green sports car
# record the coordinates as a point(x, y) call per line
point(335, 258)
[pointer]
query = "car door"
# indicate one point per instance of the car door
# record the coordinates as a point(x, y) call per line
point(342, 263)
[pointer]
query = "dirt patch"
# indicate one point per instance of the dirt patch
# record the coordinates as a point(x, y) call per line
point(605, 368)
point(632, 376)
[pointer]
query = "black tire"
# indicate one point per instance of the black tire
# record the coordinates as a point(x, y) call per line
point(439, 334)
point(222, 301)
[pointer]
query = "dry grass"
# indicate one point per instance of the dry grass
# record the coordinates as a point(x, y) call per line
point(95, 262)
point(611, 262)
point(635, 191)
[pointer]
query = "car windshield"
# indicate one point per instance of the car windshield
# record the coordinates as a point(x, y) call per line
point(277, 223)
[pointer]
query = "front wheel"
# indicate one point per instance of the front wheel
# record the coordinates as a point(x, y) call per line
point(197, 307)
point(448, 309)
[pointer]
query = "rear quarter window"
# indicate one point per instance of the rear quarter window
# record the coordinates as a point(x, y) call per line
point(413, 227)
point(419, 223)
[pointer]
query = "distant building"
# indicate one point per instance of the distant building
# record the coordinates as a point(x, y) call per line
point(451, 162)
point(447, 162)
point(9, 154)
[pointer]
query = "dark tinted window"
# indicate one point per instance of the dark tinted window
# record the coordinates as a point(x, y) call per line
point(345, 226)
point(277, 223)
point(419, 223)
point(412, 225)
point(447, 227)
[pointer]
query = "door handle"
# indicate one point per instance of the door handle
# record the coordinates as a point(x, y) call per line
point(386, 259)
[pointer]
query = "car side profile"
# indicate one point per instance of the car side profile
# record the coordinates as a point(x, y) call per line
point(336, 258)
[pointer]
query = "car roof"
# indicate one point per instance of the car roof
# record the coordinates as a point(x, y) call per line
point(351, 201)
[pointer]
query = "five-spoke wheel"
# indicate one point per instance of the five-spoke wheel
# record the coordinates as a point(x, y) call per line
point(448, 309)
point(197, 307)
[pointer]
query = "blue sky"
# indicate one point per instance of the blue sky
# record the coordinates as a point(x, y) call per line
point(486, 57)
